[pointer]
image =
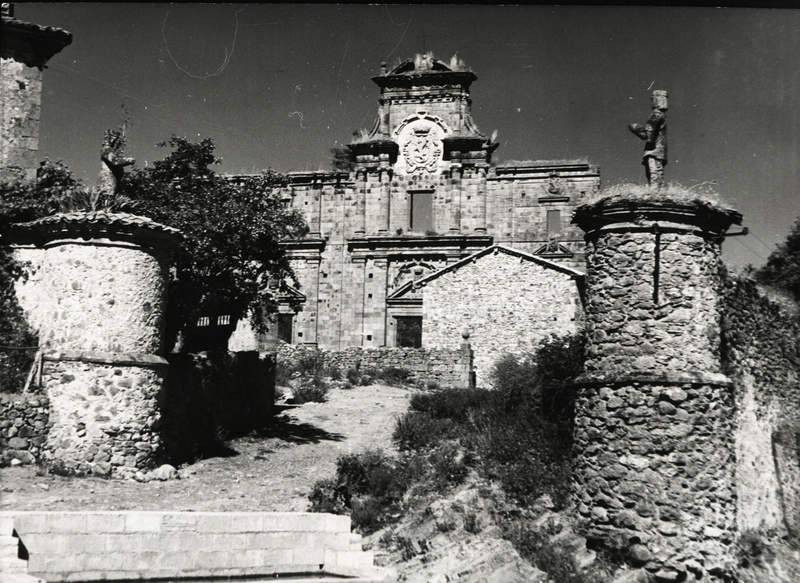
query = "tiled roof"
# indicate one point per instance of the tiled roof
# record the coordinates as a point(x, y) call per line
point(86, 224)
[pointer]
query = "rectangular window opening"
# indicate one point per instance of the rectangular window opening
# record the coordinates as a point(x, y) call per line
point(409, 331)
point(421, 219)
point(553, 224)
point(203, 321)
point(285, 323)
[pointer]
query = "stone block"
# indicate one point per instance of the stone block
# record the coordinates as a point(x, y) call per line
point(143, 522)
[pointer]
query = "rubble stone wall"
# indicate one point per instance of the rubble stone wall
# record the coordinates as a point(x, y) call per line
point(627, 330)
point(762, 356)
point(508, 304)
point(23, 427)
point(655, 456)
point(104, 416)
point(103, 297)
point(445, 367)
point(656, 470)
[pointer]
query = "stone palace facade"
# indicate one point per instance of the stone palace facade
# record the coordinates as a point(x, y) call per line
point(422, 193)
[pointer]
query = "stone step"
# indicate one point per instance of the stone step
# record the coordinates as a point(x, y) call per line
point(19, 578)
point(91, 546)
point(13, 566)
point(6, 524)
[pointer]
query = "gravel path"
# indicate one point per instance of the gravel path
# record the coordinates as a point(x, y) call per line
point(273, 472)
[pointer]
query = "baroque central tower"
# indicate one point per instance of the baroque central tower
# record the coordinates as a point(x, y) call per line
point(417, 192)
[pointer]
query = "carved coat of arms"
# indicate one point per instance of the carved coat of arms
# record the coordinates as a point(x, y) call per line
point(422, 151)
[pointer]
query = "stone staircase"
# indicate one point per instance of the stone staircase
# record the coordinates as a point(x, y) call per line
point(12, 568)
point(105, 546)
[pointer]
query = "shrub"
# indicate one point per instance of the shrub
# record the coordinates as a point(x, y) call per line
point(367, 485)
point(367, 512)
point(368, 376)
point(325, 497)
point(452, 404)
point(432, 386)
point(418, 430)
point(555, 560)
point(449, 462)
point(353, 376)
point(393, 375)
point(472, 523)
point(308, 390)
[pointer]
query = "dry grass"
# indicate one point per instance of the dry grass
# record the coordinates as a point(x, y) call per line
point(701, 194)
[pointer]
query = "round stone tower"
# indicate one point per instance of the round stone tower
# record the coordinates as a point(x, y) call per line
point(101, 307)
point(654, 434)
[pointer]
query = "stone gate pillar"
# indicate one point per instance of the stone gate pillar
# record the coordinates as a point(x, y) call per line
point(104, 278)
point(654, 435)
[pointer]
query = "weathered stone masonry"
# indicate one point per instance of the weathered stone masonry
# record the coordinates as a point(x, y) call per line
point(508, 300)
point(104, 279)
point(23, 427)
point(654, 428)
point(761, 354)
point(445, 367)
point(25, 48)
point(422, 194)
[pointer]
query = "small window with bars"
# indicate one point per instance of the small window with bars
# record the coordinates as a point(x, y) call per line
point(203, 321)
point(224, 320)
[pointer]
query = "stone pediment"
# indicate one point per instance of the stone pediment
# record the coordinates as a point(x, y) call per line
point(554, 249)
point(290, 294)
point(574, 273)
point(407, 293)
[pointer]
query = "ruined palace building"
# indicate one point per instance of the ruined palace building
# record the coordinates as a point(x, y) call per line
point(422, 193)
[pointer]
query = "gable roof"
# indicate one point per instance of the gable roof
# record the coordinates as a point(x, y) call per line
point(574, 273)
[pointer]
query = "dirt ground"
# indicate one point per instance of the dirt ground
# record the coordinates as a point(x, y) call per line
point(271, 472)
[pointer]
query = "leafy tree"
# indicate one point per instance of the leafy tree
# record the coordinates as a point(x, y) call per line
point(783, 265)
point(231, 252)
point(51, 192)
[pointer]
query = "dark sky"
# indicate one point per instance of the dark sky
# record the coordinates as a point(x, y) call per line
point(288, 82)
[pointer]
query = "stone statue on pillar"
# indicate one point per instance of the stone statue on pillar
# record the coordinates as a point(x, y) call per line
point(654, 134)
point(114, 162)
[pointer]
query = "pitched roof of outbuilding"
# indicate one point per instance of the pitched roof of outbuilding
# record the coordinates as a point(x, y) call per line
point(574, 273)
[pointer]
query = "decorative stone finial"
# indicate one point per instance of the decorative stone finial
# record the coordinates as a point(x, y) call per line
point(654, 133)
point(465, 334)
point(7, 9)
point(384, 68)
point(114, 161)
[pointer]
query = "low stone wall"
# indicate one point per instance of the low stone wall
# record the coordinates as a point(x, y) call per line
point(446, 367)
point(23, 427)
point(761, 353)
point(211, 396)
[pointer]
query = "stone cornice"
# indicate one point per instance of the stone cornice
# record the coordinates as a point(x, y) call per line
point(646, 214)
point(425, 78)
point(448, 245)
point(30, 43)
point(543, 168)
point(95, 225)
point(318, 177)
